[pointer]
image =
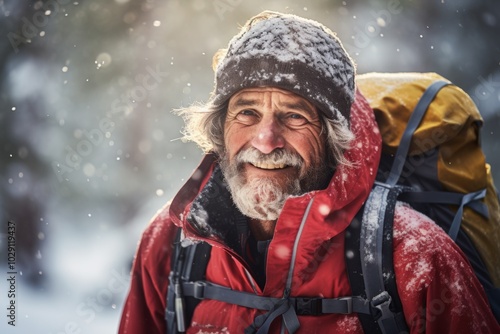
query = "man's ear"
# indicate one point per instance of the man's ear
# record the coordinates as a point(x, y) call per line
point(218, 57)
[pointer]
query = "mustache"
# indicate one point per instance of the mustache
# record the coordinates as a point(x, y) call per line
point(276, 157)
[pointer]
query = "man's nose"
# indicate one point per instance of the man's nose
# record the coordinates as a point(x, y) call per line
point(269, 136)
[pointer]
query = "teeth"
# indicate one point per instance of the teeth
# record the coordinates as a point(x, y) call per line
point(268, 166)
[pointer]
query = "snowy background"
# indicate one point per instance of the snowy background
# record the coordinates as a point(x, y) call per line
point(90, 151)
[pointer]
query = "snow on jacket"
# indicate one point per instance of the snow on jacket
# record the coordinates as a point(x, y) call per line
point(437, 287)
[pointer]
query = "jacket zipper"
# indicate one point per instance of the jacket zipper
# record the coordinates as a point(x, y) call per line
point(288, 286)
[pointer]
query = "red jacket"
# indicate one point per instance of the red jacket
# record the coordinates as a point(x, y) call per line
point(438, 289)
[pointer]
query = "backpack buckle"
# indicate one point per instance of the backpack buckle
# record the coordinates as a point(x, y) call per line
point(380, 304)
point(307, 306)
point(199, 289)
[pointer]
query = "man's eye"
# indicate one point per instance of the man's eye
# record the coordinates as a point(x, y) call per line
point(294, 119)
point(247, 112)
point(246, 115)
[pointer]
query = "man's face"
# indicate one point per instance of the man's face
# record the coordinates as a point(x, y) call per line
point(274, 148)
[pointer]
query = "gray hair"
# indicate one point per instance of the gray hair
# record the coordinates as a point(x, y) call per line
point(205, 127)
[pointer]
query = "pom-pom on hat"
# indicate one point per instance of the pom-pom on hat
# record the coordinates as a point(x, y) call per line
point(292, 53)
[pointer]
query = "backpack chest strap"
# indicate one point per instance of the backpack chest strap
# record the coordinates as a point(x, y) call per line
point(302, 305)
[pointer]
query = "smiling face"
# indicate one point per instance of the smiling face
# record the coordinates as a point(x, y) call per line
point(274, 148)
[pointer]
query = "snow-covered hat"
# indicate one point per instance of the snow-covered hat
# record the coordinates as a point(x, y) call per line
point(292, 53)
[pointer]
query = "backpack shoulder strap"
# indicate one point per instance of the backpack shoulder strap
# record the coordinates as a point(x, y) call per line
point(355, 272)
point(369, 262)
point(414, 121)
point(188, 264)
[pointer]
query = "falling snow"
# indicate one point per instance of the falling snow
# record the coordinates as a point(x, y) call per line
point(70, 72)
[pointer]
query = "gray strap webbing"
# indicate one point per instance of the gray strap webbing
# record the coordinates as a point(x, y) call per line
point(414, 121)
point(446, 197)
point(284, 308)
point(305, 306)
point(468, 198)
point(471, 200)
point(371, 242)
point(372, 233)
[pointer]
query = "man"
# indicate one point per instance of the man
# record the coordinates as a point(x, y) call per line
point(291, 149)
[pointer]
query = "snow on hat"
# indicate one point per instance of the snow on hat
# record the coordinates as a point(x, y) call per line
point(292, 53)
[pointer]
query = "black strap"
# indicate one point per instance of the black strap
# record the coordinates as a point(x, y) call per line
point(371, 240)
point(188, 263)
point(175, 299)
point(457, 220)
point(447, 197)
point(388, 273)
point(195, 269)
point(471, 199)
point(414, 121)
point(302, 305)
point(262, 323)
point(354, 271)
point(383, 303)
point(376, 253)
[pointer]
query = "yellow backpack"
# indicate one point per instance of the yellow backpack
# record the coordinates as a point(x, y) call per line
point(443, 162)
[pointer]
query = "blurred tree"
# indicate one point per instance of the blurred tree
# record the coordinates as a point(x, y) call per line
point(22, 168)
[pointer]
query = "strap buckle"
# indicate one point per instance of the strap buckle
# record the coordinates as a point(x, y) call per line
point(381, 303)
point(199, 289)
point(307, 306)
point(348, 303)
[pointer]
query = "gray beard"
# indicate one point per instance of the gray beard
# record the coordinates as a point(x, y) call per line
point(264, 198)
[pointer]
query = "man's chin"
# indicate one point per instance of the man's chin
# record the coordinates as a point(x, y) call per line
point(262, 214)
point(260, 193)
point(259, 199)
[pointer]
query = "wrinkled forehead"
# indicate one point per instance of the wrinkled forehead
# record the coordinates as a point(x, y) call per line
point(260, 96)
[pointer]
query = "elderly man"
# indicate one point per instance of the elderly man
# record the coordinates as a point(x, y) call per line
point(291, 149)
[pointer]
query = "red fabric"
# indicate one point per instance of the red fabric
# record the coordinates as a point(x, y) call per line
point(439, 291)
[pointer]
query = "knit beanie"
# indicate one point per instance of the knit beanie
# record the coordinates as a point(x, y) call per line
point(292, 53)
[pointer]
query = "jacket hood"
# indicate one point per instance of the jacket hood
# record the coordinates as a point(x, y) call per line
point(331, 210)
